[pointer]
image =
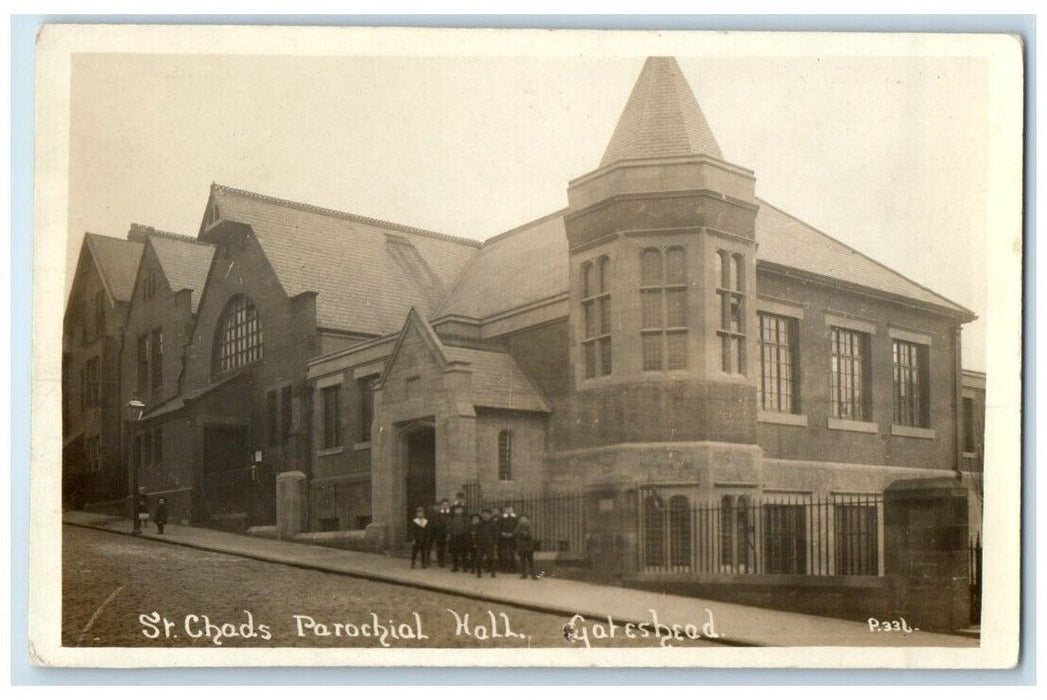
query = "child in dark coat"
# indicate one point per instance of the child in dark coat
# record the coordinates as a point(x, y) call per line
point(506, 540)
point(486, 542)
point(420, 537)
point(458, 539)
point(525, 546)
point(438, 526)
point(161, 514)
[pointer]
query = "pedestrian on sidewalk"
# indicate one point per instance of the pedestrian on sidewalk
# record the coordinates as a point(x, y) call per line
point(420, 537)
point(141, 510)
point(486, 542)
point(161, 514)
point(458, 539)
point(506, 539)
point(440, 520)
point(526, 544)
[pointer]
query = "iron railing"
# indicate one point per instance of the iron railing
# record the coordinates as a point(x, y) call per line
point(250, 491)
point(800, 535)
point(558, 520)
point(339, 504)
point(974, 576)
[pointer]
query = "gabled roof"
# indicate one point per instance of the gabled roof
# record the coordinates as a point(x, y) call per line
point(662, 118)
point(117, 261)
point(185, 262)
point(529, 264)
point(496, 382)
point(366, 273)
point(516, 268)
point(785, 240)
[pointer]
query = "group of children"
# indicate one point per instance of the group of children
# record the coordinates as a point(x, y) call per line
point(477, 542)
point(142, 512)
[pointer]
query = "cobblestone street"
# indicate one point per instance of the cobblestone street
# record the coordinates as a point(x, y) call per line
point(110, 580)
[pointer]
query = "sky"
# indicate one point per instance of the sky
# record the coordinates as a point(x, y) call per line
point(886, 154)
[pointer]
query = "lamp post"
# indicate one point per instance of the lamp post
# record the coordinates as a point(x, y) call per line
point(134, 411)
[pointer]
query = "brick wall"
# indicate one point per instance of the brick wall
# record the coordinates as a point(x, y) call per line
point(289, 339)
point(102, 421)
point(816, 441)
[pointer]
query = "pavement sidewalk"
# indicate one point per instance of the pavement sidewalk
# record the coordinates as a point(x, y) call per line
point(738, 624)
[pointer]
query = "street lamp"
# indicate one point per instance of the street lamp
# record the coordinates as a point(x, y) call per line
point(134, 411)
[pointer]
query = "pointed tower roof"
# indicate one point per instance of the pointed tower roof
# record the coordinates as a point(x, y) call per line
point(662, 118)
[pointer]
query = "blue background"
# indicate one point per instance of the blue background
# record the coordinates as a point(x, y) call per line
point(23, 33)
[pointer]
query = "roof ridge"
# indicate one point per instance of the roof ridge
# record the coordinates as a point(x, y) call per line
point(473, 261)
point(349, 216)
point(874, 261)
point(518, 229)
point(143, 229)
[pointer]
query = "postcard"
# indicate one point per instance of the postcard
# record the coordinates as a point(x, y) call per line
point(420, 347)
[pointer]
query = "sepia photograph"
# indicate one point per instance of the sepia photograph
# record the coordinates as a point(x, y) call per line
point(505, 348)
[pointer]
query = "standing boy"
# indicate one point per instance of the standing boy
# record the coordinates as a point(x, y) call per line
point(525, 546)
point(161, 514)
point(420, 537)
point(440, 521)
point(486, 538)
point(507, 539)
point(458, 539)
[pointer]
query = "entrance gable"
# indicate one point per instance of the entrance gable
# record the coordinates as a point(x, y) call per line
point(415, 369)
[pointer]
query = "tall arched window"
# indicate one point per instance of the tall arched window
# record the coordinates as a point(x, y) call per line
point(238, 335)
point(505, 455)
point(731, 290)
point(743, 523)
point(679, 532)
point(596, 312)
point(654, 532)
point(663, 304)
point(737, 273)
point(727, 533)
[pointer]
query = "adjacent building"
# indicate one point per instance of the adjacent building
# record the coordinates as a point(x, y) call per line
point(93, 469)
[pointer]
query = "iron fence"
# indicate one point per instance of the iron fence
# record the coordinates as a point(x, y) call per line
point(558, 521)
point(250, 491)
point(798, 535)
point(974, 576)
point(339, 504)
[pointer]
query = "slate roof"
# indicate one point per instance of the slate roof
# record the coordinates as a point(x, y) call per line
point(521, 266)
point(117, 260)
point(529, 264)
point(367, 273)
point(661, 118)
point(185, 262)
point(785, 240)
point(497, 381)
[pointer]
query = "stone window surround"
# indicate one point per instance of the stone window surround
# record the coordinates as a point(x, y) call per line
point(321, 384)
point(861, 326)
point(794, 310)
point(864, 326)
point(919, 339)
point(594, 296)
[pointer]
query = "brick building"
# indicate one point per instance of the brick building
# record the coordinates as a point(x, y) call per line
point(93, 471)
point(669, 338)
point(160, 318)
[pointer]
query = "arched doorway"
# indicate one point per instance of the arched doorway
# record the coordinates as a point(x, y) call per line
point(420, 474)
